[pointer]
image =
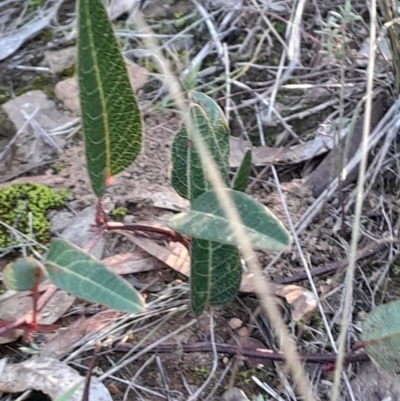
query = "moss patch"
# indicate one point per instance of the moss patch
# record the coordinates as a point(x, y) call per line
point(19, 201)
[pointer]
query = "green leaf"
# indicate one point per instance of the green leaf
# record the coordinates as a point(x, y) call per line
point(207, 220)
point(187, 176)
point(111, 117)
point(241, 178)
point(23, 274)
point(381, 332)
point(69, 393)
point(215, 274)
point(72, 270)
point(180, 158)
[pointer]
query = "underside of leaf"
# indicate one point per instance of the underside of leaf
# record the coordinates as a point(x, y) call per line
point(72, 270)
point(207, 220)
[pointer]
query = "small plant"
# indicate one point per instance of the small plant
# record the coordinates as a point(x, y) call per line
point(119, 212)
point(112, 126)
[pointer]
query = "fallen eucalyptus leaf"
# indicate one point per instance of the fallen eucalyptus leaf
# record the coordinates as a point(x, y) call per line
point(51, 377)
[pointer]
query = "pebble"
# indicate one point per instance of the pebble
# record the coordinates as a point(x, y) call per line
point(235, 323)
point(234, 394)
point(128, 219)
point(243, 332)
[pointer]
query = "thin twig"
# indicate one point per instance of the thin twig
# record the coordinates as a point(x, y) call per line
point(359, 204)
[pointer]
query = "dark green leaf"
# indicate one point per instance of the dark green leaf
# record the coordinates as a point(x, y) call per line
point(180, 156)
point(242, 175)
point(187, 176)
point(72, 270)
point(381, 332)
point(215, 274)
point(207, 220)
point(110, 114)
point(220, 126)
point(23, 274)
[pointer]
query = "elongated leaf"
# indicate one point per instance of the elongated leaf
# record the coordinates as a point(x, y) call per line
point(110, 114)
point(381, 332)
point(180, 159)
point(219, 124)
point(23, 274)
point(187, 176)
point(241, 178)
point(72, 270)
point(207, 220)
point(215, 274)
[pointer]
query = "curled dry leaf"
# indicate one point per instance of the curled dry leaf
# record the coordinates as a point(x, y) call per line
point(51, 377)
point(177, 257)
point(13, 308)
point(302, 300)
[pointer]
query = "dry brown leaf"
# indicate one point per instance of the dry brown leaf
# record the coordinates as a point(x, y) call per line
point(128, 263)
point(51, 377)
point(100, 321)
point(62, 342)
point(302, 300)
point(15, 307)
point(264, 155)
point(177, 257)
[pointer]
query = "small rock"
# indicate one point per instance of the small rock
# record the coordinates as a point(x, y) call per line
point(234, 394)
point(60, 60)
point(60, 221)
point(108, 205)
point(235, 323)
point(67, 91)
point(80, 231)
point(243, 332)
point(129, 219)
point(137, 75)
point(30, 147)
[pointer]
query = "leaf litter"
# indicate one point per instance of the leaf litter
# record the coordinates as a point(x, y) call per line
point(50, 376)
point(151, 174)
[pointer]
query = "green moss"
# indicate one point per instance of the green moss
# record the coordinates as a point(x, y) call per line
point(280, 27)
point(69, 72)
point(5, 95)
point(119, 212)
point(58, 167)
point(18, 201)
